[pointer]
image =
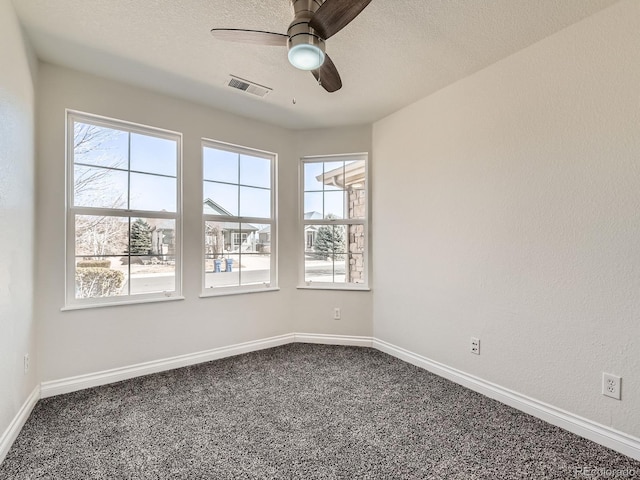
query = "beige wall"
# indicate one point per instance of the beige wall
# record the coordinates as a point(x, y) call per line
point(519, 187)
point(17, 335)
point(91, 340)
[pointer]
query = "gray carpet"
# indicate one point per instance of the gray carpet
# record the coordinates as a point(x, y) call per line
point(297, 411)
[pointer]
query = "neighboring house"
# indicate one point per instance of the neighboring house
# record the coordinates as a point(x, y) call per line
point(310, 231)
point(264, 239)
point(162, 237)
point(228, 237)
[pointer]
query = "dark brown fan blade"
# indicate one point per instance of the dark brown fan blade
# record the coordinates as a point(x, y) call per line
point(256, 37)
point(334, 15)
point(327, 75)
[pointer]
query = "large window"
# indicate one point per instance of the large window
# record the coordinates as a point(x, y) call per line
point(239, 219)
point(334, 221)
point(123, 212)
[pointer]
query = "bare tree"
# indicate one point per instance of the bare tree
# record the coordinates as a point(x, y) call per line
point(92, 149)
point(101, 235)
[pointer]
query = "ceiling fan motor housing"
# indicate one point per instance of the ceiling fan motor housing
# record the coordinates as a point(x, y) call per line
point(304, 42)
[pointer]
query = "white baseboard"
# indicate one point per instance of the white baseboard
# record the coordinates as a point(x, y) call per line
point(12, 431)
point(80, 382)
point(598, 433)
point(328, 339)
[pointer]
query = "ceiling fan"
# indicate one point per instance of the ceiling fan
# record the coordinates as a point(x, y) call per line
point(314, 22)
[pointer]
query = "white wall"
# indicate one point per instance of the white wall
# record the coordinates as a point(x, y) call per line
point(17, 335)
point(507, 207)
point(91, 340)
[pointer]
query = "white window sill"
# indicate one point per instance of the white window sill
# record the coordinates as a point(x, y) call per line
point(221, 292)
point(82, 306)
point(332, 286)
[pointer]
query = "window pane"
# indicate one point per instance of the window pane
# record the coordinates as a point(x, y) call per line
point(220, 198)
point(153, 193)
point(328, 269)
point(334, 252)
point(263, 239)
point(339, 237)
point(255, 258)
point(255, 202)
point(100, 245)
point(99, 187)
point(157, 274)
point(255, 269)
point(340, 262)
point(220, 165)
point(313, 208)
point(255, 171)
point(222, 244)
point(214, 243)
point(100, 276)
point(97, 236)
point(236, 185)
point(325, 253)
point(117, 172)
point(101, 146)
point(328, 240)
point(163, 237)
point(311, 171)
point(334, 204)
point(151, 255)
point(153, 154)
point(333, 175)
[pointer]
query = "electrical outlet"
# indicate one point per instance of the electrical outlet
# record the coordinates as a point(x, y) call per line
point(475, 346)
point(26, 363)
point(336, 313)
point(611, 385)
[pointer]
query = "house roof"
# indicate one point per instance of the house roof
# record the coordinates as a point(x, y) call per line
point(353, 173)
point(312, 216)
point(213, 208)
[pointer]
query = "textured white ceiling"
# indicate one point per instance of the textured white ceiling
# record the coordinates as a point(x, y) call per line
point(394, 53)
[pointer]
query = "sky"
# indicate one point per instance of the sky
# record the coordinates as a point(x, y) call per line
point(238, 183)
point(153, 185)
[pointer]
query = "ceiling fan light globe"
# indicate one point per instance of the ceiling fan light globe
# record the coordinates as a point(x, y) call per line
point(306, 57)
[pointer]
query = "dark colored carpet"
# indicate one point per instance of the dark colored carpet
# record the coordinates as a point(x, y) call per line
point(297, 411)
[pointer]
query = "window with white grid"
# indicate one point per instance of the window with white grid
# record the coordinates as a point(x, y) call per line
point(334, 222)
point(238, 219)
point(123, 212)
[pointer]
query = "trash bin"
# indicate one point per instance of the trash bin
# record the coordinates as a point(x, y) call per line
point(216, 265)
point(229, 264)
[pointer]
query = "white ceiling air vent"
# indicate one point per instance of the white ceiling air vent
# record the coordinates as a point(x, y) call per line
point(247, 86)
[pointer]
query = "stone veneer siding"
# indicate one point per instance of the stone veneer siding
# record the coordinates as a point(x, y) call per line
point(357, 209)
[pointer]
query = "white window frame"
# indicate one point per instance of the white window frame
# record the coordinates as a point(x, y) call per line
point(272, 285)
point(72, 302)
point(302, 239)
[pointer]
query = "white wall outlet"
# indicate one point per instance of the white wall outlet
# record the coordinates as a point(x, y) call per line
point(26, 363)
point(611, 385)
point(475, 346)
point(336, 313)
